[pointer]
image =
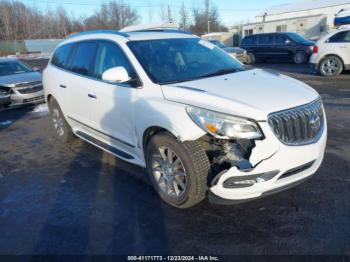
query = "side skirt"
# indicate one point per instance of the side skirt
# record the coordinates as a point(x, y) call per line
point(104, 146)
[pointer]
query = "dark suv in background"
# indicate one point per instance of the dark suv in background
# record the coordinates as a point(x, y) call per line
point(277, 46)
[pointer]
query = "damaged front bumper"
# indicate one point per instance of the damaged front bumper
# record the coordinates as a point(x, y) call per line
point(276, 167)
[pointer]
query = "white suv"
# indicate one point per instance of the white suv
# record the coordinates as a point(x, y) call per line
point(188, 112)
point(331, 54)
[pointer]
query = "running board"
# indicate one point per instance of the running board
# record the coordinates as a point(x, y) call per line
point(104, 146)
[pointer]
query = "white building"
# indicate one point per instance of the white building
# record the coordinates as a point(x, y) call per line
point(310, 18)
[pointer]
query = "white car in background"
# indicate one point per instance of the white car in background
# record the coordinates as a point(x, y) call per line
point(188, 112)
point(331, 54)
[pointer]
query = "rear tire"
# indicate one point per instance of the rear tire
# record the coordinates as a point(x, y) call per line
point(60, 125)
point(299, 58)
point(182, 180)
point(331, 66)
point(251, 60)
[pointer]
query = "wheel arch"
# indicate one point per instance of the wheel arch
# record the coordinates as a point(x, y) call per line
point(152, 131)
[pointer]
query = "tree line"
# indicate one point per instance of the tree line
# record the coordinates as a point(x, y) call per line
point(19, 21)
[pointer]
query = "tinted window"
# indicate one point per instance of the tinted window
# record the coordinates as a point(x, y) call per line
point(61, 56)
point(250, 40)
point(340, 37)
point(266, 39)
point(110, 55)
point(280, 39)
point(297, 38)
point(83, 57)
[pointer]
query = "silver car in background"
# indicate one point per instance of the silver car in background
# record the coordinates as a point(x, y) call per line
point(236, 52)
point(19, 81)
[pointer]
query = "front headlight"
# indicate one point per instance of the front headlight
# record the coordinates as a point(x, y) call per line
point(224, 126)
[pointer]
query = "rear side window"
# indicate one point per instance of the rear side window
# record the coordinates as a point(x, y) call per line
point(110, 55)
point(82, 58)
point(250, 40)
point(266, 39)
point(340, 37)
point(61, 56)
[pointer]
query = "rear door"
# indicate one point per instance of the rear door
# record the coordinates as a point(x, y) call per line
point(340, 43)
point(78, 82)
point(265, 48)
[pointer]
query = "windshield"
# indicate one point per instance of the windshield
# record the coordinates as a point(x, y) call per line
point(297, 38)
point(178, 60)
point(218, 43)
point(13, 67)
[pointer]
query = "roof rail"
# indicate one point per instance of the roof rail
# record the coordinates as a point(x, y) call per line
point(148, 27)
point(165, 31)
point(114, 32)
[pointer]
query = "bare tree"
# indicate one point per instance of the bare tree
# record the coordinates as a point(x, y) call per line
point(184, 18)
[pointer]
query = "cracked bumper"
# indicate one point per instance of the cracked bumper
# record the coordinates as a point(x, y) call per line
point(271, 156)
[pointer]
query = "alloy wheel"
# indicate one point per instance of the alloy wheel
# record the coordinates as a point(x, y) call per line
point(330, 67)
point(169, 172)
point(58, 122)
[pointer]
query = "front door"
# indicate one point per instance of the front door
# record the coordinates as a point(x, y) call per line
point(113, 109)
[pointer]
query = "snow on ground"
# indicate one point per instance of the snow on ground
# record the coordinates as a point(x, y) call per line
point(41, 109)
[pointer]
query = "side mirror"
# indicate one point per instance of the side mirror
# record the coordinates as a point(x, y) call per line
point(288, 42)
point(116, 75)
point(36, 69)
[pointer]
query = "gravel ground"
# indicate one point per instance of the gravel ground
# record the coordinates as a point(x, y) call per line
point(76, 199)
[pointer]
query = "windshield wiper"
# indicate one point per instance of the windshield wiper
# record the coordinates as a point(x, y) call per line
point(222, 72)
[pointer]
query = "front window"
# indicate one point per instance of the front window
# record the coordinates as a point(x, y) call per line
point(178, 60)
point(13, 68)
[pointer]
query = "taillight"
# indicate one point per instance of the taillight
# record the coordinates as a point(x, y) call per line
point(315, 50)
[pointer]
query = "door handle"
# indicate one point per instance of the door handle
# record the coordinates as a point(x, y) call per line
point(92, 96)
point(63, 86)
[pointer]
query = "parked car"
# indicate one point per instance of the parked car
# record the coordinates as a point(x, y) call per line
point(331, 54)
point(277, 46)
point(193, 116)
point(235, 52)
point(21, 81)
point(342, 18)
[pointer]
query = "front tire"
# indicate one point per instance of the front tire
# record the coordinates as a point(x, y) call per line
point(178, 171)
point(60, 125)
point(331, 66)
point(251, 59)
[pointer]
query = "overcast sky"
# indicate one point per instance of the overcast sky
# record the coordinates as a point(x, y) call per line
point(231, 11)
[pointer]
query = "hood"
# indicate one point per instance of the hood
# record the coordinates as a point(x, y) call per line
point(236, 50)
point(19, 78)
point(252, 94)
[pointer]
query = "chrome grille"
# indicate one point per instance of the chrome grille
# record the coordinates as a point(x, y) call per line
point(300, 125)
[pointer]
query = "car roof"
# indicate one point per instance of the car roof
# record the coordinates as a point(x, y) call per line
point(137, 35)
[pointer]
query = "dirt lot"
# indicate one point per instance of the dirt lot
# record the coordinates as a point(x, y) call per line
point(76, 199)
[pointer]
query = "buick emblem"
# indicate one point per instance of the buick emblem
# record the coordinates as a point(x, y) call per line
point(315, 122)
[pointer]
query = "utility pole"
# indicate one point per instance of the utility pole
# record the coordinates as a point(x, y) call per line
point(170, 19)
point(209, 26)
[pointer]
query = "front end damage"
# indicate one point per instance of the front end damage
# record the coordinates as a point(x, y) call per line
point(244, 170)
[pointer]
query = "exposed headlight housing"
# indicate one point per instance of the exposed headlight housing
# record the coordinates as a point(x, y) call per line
point(224, 126)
